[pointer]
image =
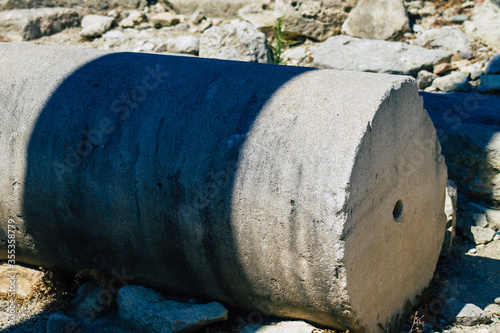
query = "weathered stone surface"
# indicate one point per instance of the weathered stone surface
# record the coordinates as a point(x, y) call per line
point(166, 19)
point(464, 314)
point(468, 127)
point(234, 41)
point(212, 8)
point(96, 25)
point(482, 235)
point(28, 24)
point(135, 17)
point(355, 54)
point(25, 281)
point(493, 218)
point(424, 79)
point(474, 71)
point(374, 19)
point(92, 4)
point(58, 322)
point(281, 327)
point(184, 44)
point(92, 299)
point(454, 81)
point(259, 17)
point(493, 66)
point(315, 19)
point(146, 310)
point(447, 38)
point(270, 183)
point(485, 24)
point(491, 82)
point(450, 210)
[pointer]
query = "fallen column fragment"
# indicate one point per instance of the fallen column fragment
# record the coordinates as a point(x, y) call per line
point(311, 194)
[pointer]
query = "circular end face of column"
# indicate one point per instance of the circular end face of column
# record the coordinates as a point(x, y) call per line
point(395, 224)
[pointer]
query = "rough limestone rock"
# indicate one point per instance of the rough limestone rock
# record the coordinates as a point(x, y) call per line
point(184, 44)
point(96, 25)
point(91, 4)
point(375, 19)
point(269, 188)
point(314, 19)
point(281, 327)
point(25, 279)
point(485, 23)
point(450, 210)
point(165, 19)
point(464, 314)
point(491, 82)
point(468, 127)
point(493, 66)
point(235, 41)
point(146, 310)
point(92, 298)
point(355, 54)
point(482, 235)
point(424, 79)
point(455, 81)
point(212, 8)
point(447, 38)
point(29, 24)
point(259, 17)
point(59, 322)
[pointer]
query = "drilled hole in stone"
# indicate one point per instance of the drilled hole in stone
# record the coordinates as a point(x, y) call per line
point(398, 210)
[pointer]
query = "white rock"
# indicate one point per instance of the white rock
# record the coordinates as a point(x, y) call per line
point(127, 23)
point(96, 25)
point(485, 23)
point(474, 71)
point(455, 81)
point(448, 38)
point(92, 298)
point(492, 82)
point(464, 314)
point(165, 19)
point(493, 218)
point(366, 55)
point(115, 35)
point(450, 209)
point(146, 310)
point(29, 24)
point(211, 8)
point(482, 235)
point(184, 44)
point(280, 327)
point(424, 79)
point(493, 66)
point(316, 19)
point(376, 19)
point(137, 17)
point(258, 17)
point(234, 41)
point(114, 14)
point(58, 322)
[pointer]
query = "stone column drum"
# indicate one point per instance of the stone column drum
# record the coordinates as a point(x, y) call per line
point(302, 193)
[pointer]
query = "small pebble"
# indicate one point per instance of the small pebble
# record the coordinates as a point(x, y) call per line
point(497, 237)
point(497, 300)
point(459, 18)
point(472, 251)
